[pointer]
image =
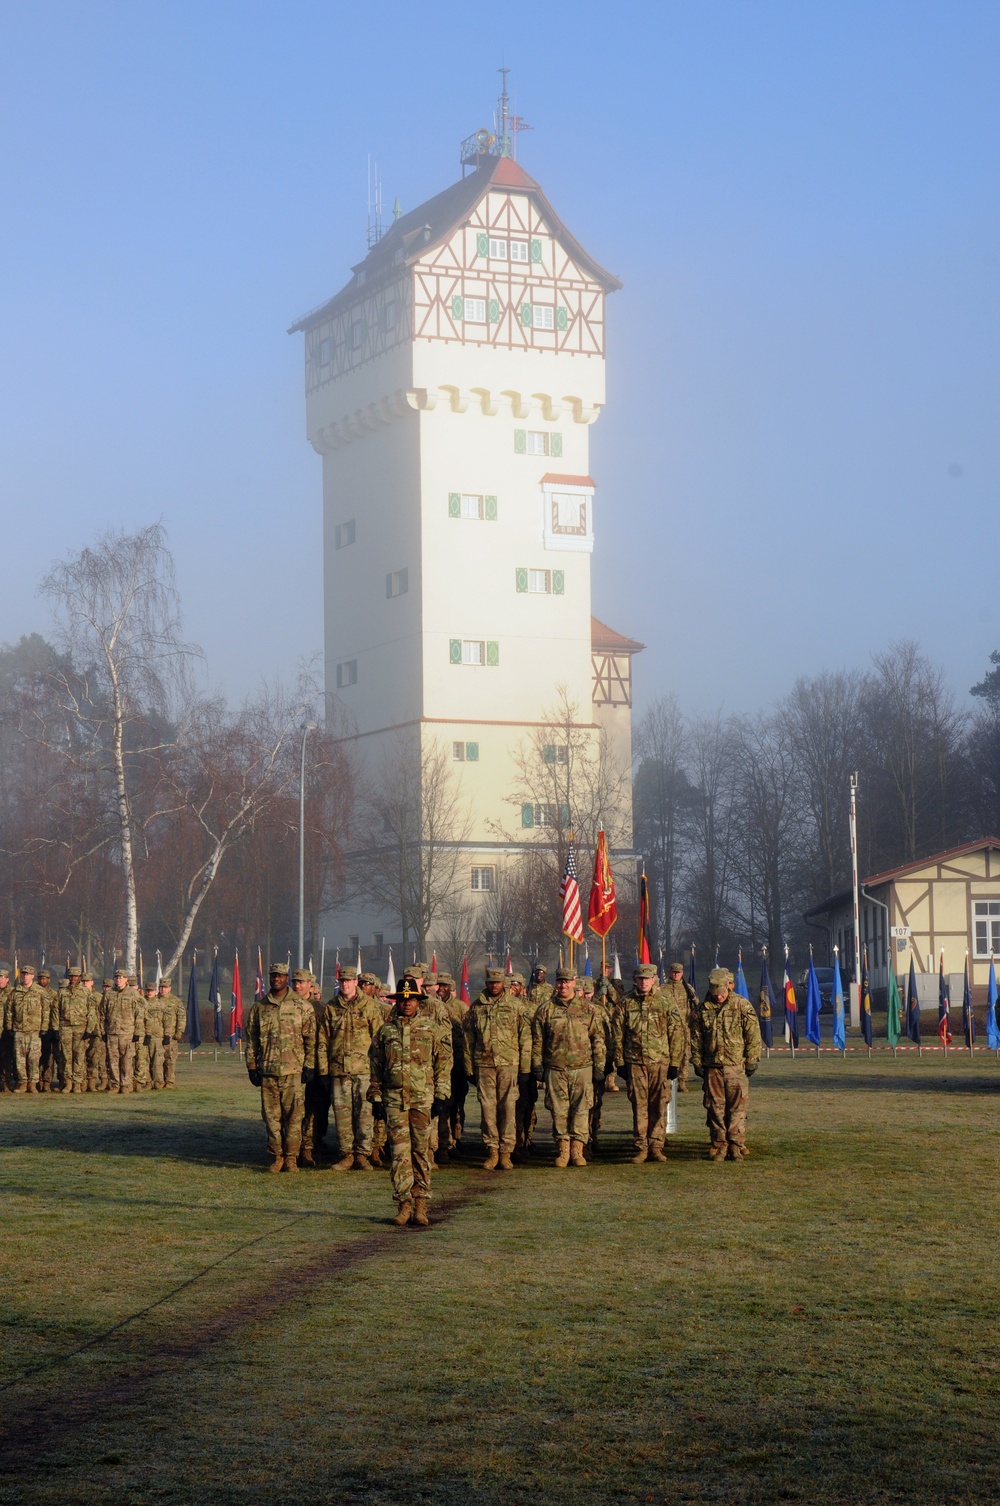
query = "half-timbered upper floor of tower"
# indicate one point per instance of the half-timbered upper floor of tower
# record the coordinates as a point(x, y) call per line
point(486, 263)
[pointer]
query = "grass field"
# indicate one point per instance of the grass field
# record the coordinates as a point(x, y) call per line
point(817, 1324)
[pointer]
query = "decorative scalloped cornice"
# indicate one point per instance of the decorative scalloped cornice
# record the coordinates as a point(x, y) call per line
point(521, 405)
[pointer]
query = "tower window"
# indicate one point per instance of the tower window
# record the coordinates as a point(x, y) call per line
point(397, 583)
point(556, 753)
point(569, 513)
point(474, 651)
point(465, 752)
point(358, 333)
point(544, 316)
point(390, 314)
point(458, 752)
point(538, 442)
point(475, 310)
point(482, 879)
point(519, 250)
point(540, 582)
point(498, 250)
point(343, 534)
point(472, 506)
point(347, 673)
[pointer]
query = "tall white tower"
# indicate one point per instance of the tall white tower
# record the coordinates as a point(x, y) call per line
point(450, 389)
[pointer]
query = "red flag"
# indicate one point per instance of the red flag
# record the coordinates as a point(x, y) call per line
point(258, 988)
point(569, 893)
point(643, 947)
point(463, 989)
point(236, 1007)
point(510, 965)
point(602, 911)
point(434, 961)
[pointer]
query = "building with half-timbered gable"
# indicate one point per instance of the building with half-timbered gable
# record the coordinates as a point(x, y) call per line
point(451, 387)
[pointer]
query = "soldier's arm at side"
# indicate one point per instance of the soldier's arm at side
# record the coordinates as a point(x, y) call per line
point(753, 1045)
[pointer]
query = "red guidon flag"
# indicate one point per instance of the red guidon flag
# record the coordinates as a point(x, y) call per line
point(642, 948)
point(569, 893)
point(602, 911)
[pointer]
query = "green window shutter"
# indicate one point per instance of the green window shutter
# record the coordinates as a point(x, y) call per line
point(520, 442)
point(482, 244)
point(536, 250)
point(562, 319)
point(493, 311)
point(549, 753)
point(472, 752)
point(527, 815)
point(455, 650)
point(491, 509)
point(564, 815)
point(526, 315)
point(521, 577)
point(555, 444)
point(492, 655)
point(454, 504)
point(457, 307)
point(558, 582)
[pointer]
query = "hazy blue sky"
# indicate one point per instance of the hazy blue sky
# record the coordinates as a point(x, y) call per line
point(799, 457)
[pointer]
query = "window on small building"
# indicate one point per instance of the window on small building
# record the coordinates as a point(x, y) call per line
point(538, 442)
point(498, 249)
point(347, 673)
point(397, 583)
point(378, 943)
point(465, 752)
point(519, 251)
point(986, 927)
point(343, 534)
point(482, 878)
point(475, 310)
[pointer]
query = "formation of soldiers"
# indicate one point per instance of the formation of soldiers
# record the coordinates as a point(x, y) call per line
point(396, 1069)
point(74, 1039)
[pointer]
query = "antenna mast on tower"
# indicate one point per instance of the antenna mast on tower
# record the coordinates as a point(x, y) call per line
point(374, 205)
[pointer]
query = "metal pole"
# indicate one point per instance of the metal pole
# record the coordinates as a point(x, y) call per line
point(856, 992)
point(307, 727)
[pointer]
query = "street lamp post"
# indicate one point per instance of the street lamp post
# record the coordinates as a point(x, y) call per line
point(307, 727)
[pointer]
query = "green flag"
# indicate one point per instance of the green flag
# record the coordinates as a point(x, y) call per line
point(892, 1016)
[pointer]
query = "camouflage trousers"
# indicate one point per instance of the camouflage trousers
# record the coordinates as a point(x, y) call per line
point(141, 1067)
point(282, 1101)
point(121, 1057)
point(524, 1113)
point(595, 1113)
point(456, 1116)
point(27, 1056)
point(49, 1065)
point(352, 1114)
point(569, 1097)
point(497, 1090)
point(170, 1064)
point(649, 1093)
point(316, 1111)
point(97, 1063)
point(727, 1099)
point(156, 1051)
point(73, 1050)
point(409, 1136)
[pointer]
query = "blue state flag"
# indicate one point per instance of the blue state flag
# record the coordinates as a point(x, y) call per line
point(992, 1028)
point(912, 1006)
point(193, 1026)
point(741, 977)
point(215, 999)
point(837, 1003)
point(968, 1018)
point(588, 971)
point(814, 1003)
point(766, 1005)
point(866, 1000)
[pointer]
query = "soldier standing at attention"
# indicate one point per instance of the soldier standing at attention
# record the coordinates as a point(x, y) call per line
point(678, 989)
point(602, 1006)
point(77, 1023)
point(48, 1074)
point(410, 1080)
point(456, 1010)
point(497, 1053)
point(725, 1052)
point(371, 987)
point(280, 1048)
point(8, 1077)
point(316, 1097)
point(123, 1014)
point(432, 1007)
point(568, 1056)
point(650, 1037)
point(28, 1011)
point(98, 1079)
point(156, 1034)
point(539, 992)
point(174, 1025)
point(350, 1023)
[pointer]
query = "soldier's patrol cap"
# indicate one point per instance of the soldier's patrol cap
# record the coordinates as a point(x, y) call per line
point(75, 970)
point(302, 975)
point(44, 972)
point(87, 978)
point(166, 982)
point(369, 978)
point(565, 975)
point(27, 967)
point(645, 970)
point(495, 975)
point(133, 978)
point(348, 973)
point(278, 967)
point(63, 983)
point(419, 969)
point(446, 979)
point(121, 972)
point(4, 969)
point(676, 967)
point(541, 968)
point(718, 976)
point(106, 982)
point(409, 988)
point(517, 977)
point(150, 985)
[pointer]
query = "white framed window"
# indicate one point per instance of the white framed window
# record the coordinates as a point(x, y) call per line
point(543, 316)
point(343, 534)
point(986, 927)
point(498, 250)
point(458, 752)
point(323, 352)
point(556, 753)
point(473, 651)
point(390, 314)
point(546, 815)
point(569, 513)
point(465, 752)
point(358, 333)
point(397, 583)
point(475, 310)
point(473, 506)
point(540, 582)
point(519, 251)
point(538, 442)
point(482, 878)
point(347, 673)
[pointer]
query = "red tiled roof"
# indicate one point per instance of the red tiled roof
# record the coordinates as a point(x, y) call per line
point(933, 857)
point(556, 478)
point(607, 641)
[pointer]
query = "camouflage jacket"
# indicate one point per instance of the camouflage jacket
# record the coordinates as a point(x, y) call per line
point(346, 1034)
point(28, 1009)
point(540, 993)
point(77, 1009)
point(650, 1031)
point(496, 1033)
point(726, 1035)
point(607, 1014)
point(567, 1036)
point(155, 1013)
point(174, 1016)
point(281, 1036)
point(457, 1011)
point(5, 997)
point(123, 1013)
point(410, 1065)
point(433, 1009)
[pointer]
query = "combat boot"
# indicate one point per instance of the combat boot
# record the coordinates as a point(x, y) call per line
point(420, 1212)
point(640, 1156)
point(506, 1164)
point(744, 1151)
point(33, 1088)
point(441, 1156)
point(576, 1156)
point(734, 1153)
point(291, 1163)
point(68, 1088)
point(717, 1152)
point(492, 1157)
point(22, 1087)
point(362, 1163)
point(562, 1155)
point(656, 1153)
point(345, 1163)
point(403, 1216)
point(307, 1158)
point(277, 1163)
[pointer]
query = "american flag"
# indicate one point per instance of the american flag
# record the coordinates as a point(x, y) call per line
point(569, 890)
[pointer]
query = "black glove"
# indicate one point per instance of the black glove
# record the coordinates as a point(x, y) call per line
point(671, 1074)
point(599, 1079)
point(696, 1071)
point(540, 1078)
point(135, 1040)
point(378, 1110)
point(88, 1035)
point(524, 1079)
point(254, 1076)
point(103, 1036)
point(308, 1073)
point(147, 1041)
point(439, 1107)
point(625, 1071)
point(166, 1040)
point(751, 1070)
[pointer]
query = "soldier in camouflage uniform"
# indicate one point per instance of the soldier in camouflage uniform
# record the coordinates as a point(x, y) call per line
point(174, 1025)
point(123, 1017)
point(650, 1037)
point(527, 1087)
point(599, 1000)
point(156, 1036)
point(410, 1079)
point(371, 987)
point(456, 1010)
point(280, 1050)
point(49, 1080)
point(77, 1026)
point(539, 992)
point(725, 1052)
point(98, 1080)
point(142, 1074)
point(27, 1014)
point(350, 1023)
point(686, 998)
point(316, 1098)
point(432, 1007)
point(8, 1076)
point(496, 1048)
point(568, 1055)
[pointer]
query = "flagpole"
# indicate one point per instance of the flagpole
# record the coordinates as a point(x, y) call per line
point(322, 961)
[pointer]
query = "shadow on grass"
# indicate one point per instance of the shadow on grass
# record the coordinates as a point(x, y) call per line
point(879, 1082)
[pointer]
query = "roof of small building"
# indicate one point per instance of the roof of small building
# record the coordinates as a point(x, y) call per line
point(606, 640)
point(845, 896)
point(437, 218)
